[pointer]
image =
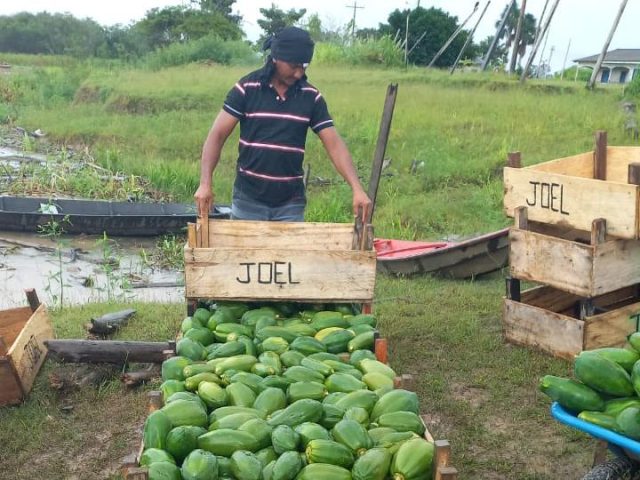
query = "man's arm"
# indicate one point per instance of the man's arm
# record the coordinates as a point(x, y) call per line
point(343, 163)
point(220, 131)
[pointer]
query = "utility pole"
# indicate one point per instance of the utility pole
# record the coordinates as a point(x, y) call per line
point(564, 63)
point(603, 53)
point(453, 36)
point(516, 40)
point(536, 45)
point(469, 37)
point(540, 21)
point(355, 6)
point(496, 38)
point(406, 40)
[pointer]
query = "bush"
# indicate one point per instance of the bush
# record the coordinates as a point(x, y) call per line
point(362, 52)
point(209, 49)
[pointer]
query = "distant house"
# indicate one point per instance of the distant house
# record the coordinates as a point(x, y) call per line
point(619, 66)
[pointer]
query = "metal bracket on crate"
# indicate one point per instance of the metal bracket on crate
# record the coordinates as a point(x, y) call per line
point(512, 289)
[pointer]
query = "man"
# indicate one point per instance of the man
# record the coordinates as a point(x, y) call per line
point(275, 107)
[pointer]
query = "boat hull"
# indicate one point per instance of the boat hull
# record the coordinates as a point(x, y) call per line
point(95, 217)
point(465, 259)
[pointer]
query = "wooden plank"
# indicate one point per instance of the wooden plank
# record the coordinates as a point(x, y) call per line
point(532, 326)
point(572, 201)
point(514, 160)
point(611, 329)
point(618, 161)
point(299, 235)
point(29, 351)
point(549, 298)
point(32, 298)
point(191, 235)
point(280, 274)
point(442, 457)
point(600, 156)
point(108, 351)
point(553, 261)
point(580, 165)
point(615, 266)
point(11, 392)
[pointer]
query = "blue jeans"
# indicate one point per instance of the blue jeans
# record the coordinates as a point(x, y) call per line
point(245, 208)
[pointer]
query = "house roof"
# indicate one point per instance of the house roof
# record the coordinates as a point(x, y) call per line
point(617, 55)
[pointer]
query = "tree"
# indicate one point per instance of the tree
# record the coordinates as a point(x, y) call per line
point(436, 25)
point(223, 7)
point(275, 19)
point(162, 27)
point(527, 33)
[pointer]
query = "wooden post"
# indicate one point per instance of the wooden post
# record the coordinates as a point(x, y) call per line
point(192, 306)
point(381, 350)
point(600, 156)
point(598, 231)
point(448, 473)
point(521, 218)
point(453, 36)
point(381, 147)
point(513, 289)
point(536, 45)
point(496, 37)
point(32, 298)
point(443, 454)
point(516, 40)
point(468, 40)
point(408, 382)
point(514, 160)
point(603, 53)
point(634, 173)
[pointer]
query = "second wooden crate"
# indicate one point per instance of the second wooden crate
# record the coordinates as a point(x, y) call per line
point(279, 261)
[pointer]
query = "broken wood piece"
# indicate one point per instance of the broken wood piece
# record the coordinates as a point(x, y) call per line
point(135, 378)
point(108, 351)
point(110, 322)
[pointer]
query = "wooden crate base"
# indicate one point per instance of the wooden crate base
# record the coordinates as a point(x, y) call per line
point(564, 324)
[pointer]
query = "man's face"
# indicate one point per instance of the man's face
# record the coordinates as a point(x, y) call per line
point(290, 73)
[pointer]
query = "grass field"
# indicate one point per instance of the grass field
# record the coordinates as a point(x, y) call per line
point(479, 392)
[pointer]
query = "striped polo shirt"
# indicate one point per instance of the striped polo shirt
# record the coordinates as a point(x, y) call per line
point(273, 133)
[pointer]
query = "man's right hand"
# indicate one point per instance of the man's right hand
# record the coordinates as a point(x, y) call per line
point(204, 199)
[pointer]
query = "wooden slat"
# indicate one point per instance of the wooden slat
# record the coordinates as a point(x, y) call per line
point(549, 331)
point(611, 329)
point(554, 261)
point(28, 351)
point(615, 265)
point(600, 156)
point(580, 165)
point(298, 235)
point(282, 274)
point(572, 201)
point(618, 161)
point(549, 298)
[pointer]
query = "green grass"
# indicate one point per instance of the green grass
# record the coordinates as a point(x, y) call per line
point(479, 392)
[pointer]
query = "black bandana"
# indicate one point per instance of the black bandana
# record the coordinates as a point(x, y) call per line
point(291, 44)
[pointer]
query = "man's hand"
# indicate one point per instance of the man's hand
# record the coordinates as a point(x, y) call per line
point(204, 200)
point(361, 203)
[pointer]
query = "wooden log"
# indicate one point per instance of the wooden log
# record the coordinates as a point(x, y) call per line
point(110, 322)
point(107, 351)
point(132, 379)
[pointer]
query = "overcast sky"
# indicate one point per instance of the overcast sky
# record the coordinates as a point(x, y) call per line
point(584, 23)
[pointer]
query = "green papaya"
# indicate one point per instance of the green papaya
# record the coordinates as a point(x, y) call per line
point(284, 439)
point(603, 375)
point(183, 440)
point(200, 465)
point(305, 410)
point(330, 452)
point(311, 431)
point(225, 441)
point(154, 455)
point(270, 400)
point(372, 465)
point(287, 466)
point(412, 460)
point(352, 435)
point(192, 383)
point(246, 466)
point(156, 428)
point(572, 395)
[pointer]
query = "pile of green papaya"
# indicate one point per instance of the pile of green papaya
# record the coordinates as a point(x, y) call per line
point(282, 392)
point(606, 388)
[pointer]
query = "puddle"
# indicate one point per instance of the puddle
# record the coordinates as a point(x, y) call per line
point(81, 269)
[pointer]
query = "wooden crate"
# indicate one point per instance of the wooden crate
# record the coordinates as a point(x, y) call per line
point(22, 350)
point(573, 191)
point(586, 264)
point(564, 324)
point(279, 261)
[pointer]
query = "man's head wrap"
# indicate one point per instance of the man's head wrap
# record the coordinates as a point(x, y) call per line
point(291, 44)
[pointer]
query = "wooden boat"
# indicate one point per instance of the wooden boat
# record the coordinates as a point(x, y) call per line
point(28, 214)
point(464, 259)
